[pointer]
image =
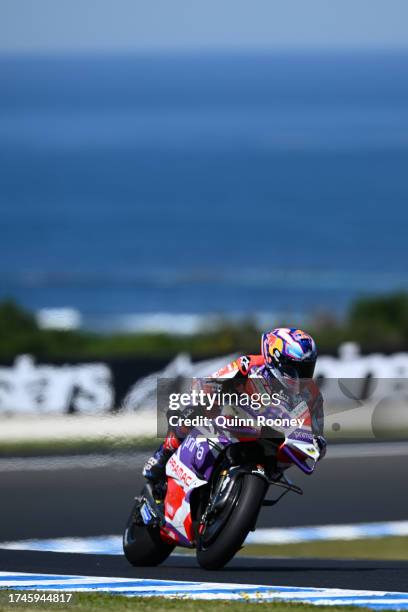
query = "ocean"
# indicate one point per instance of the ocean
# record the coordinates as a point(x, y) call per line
point(161, 185)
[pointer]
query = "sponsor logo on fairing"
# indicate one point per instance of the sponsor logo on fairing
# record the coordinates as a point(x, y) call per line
point(180, 472)
point(177, 470)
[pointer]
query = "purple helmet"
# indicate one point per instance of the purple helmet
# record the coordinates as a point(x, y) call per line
point(289, 353)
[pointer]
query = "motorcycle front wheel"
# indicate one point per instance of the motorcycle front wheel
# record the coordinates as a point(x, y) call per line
point(239, 519)
point(143, 545)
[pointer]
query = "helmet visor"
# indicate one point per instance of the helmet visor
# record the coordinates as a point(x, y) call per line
point(298, 369)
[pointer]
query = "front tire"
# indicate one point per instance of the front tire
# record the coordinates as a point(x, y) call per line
point(143, 545)
point(240, 521)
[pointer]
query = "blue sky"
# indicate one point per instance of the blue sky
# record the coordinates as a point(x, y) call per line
point(121, 25)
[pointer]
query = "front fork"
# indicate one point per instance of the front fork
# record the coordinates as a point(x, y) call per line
point(224, 487)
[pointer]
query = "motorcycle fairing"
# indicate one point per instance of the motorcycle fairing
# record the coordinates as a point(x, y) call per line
point(192, 465)
point(182, 479)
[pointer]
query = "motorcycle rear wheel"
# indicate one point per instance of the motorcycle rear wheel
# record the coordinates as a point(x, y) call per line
point(239, 521)
point(143, 545)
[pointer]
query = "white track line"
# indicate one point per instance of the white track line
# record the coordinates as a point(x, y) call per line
point(202, 590)
point(294, 535)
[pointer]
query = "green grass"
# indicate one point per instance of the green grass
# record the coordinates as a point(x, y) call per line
point(373, 322)
point(95, 602)
point(368, 548)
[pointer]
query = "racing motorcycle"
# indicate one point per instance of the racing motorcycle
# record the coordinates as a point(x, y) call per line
point(213, 492)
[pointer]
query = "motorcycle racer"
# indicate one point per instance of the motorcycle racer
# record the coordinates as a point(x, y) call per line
point(287, 356)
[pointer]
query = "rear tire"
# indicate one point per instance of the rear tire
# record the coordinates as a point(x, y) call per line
point(143, 545)
point(237, 526)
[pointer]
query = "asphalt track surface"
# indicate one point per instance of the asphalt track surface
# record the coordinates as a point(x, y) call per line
point(370, 575)
point(86, 501)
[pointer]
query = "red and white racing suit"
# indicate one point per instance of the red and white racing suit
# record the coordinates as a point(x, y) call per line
point(239, 372)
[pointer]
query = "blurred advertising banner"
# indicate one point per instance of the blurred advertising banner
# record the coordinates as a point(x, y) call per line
point(88, 387)
point(364, 395)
